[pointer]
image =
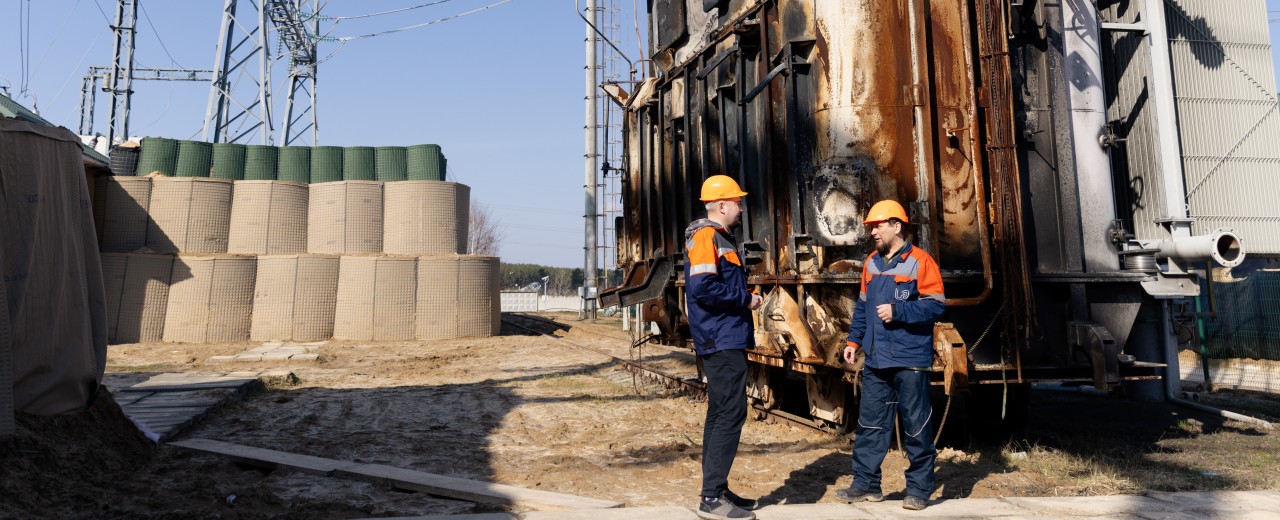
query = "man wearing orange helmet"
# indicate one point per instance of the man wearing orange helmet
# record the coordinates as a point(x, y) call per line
point(901, 296)
point(719, 304)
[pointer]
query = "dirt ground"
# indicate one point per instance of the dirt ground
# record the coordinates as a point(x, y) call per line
point(533, 411)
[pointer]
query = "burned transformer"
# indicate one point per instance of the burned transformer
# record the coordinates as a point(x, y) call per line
point(1075, 167)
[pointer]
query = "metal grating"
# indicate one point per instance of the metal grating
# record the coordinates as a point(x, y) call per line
point(121, 208)
point(458, 296)
point(210, 299)
point(1225, 90)
point(295, 297)
point(137, 288)
point(345, 217)
point(268, 218)
point(376, 298)
point(189, 215)
point(426, 218)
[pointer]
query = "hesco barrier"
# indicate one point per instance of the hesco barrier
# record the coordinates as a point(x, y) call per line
point(295, 297)
point(210, 299)
point(268, 218)
point(189, 215)
point(261, 162)
point(194, 159)
point(295, 164)
point(137, 288)
point(458, 296)
point(359, 164)
point(426, 217)
point(158, 155)
point(121, 208)
point(390, 163)
point(345, 217)
point(425, 163)
point(124, 160)
point(376, 297)
point(326, 164)
point(228, 161)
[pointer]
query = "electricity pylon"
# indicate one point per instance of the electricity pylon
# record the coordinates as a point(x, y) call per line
point(239, 96)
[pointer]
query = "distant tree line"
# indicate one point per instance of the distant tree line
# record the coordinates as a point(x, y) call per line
point(560, 280)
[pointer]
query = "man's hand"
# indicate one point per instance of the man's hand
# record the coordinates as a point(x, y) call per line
point(885, 312)
point(756, 301)
point(854, 358)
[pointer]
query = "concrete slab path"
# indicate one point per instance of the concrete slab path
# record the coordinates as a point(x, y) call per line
point(1199, 505)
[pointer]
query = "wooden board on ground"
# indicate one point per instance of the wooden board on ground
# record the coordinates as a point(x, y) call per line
point(263, 457)
point(452, 487)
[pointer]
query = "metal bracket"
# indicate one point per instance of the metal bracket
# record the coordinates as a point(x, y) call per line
point(1103, 351)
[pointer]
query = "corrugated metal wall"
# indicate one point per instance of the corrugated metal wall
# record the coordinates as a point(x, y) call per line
point(1225, 93)
point(1224, 84)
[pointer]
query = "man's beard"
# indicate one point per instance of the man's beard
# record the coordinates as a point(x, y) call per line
point(883, 248)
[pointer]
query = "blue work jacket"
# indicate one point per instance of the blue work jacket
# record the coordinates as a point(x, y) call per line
point(911, 282)
point(717, 300)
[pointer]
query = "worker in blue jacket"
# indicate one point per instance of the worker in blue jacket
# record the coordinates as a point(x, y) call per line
point(901, 297)
point(718, 304)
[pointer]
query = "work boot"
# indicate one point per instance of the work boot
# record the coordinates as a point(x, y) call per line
point(853, 494)
point(914, 503)
point(722, 509)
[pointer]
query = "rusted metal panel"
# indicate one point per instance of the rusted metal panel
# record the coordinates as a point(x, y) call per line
point(863, 122)
point(959, 238)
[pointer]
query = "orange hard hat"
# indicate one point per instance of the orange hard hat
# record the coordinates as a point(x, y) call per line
point(720, 187)
point(885, 210)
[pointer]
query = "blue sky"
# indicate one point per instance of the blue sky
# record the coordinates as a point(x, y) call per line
point(501, 91)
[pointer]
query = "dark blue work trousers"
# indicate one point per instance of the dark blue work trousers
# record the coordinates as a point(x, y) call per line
point(884, 393)
point(726, 412)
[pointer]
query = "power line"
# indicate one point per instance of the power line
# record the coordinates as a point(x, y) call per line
point(340, 18)
point(158, 38)
point(423, 24)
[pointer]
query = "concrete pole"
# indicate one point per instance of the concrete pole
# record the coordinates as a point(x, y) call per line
point(590, 167)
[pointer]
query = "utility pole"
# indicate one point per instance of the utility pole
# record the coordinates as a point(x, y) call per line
point(591, 167)
point(120, 83)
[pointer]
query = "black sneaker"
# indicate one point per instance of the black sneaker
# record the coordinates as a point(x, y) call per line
point(914, 503)
point(747, 504)
point(722, 509)
point(852, 494)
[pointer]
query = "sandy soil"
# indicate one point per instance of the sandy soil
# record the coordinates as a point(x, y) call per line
point(533, 411)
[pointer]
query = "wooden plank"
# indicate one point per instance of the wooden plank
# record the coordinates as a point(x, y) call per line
point(264, 457)
point(452, 487)
point(472, 490)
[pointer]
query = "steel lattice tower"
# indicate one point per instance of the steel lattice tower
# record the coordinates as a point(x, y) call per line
point(120, 81)
point(240, 97)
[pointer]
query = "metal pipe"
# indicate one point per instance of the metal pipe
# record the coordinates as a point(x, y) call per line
point(1172, 375)
point(630, 65)
point(1221, 246)
point(979, 188)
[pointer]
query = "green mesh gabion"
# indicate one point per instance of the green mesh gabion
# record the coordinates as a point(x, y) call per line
point(261, 162)
point(358, 164)
point(228, 161)
point(295, 164)
point(425, 163)
point(390, 163)
point(194, 159)
point(158, 154)
point(326, 164)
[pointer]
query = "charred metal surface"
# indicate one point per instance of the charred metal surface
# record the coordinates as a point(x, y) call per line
point(821, 108)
